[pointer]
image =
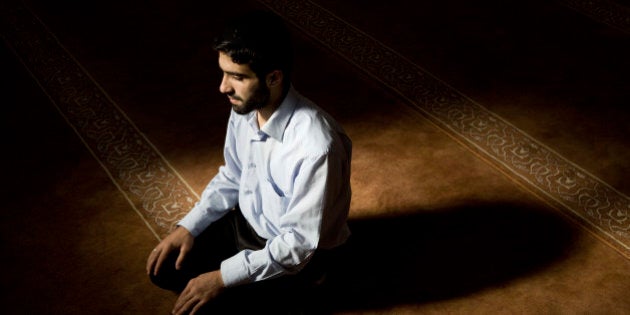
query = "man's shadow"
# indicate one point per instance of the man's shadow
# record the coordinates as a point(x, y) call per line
point(429, 256)
point(442, 254)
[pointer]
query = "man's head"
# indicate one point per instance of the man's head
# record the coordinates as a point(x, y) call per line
point(255, 53)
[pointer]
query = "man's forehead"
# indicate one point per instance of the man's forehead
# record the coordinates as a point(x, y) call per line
point(227, 65)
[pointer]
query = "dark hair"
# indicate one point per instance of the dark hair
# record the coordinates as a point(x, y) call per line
point(261, 40)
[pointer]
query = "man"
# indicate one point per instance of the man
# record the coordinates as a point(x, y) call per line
point(278, 206)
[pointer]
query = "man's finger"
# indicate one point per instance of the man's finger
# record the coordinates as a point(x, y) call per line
point(180, 258)
point(196, 308)
point(161, 257)
point(184, 298)
point(151, 261)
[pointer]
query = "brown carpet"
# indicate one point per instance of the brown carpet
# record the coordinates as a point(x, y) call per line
point(439, 226)
point(71, 244)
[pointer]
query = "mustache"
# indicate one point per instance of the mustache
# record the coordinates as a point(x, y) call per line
point(234, 96)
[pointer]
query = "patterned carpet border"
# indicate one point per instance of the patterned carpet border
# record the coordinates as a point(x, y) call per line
point(599, 207)
point(604, 11)
point(154, 189)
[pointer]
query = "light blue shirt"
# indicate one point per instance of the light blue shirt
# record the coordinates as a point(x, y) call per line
point(291, 180)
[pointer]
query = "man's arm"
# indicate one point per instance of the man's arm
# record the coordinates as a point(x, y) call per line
point(218, 197)
point(313, 206)
point(221, 194)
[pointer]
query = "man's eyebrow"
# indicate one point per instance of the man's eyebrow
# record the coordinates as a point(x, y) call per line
point(236, 74)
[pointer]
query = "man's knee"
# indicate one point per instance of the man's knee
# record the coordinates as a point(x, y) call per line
point(170, 278)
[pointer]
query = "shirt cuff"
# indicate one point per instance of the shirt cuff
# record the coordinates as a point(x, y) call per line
point(234, 271)
point(193, 223)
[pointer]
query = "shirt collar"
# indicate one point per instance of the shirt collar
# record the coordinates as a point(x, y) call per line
point(279, 120)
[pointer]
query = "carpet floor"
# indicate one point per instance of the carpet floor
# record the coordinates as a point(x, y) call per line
point(490, 164)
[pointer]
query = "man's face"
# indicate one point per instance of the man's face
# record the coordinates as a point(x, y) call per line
point(242, 86)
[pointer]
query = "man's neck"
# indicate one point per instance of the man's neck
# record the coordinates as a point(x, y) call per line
point(265, 113)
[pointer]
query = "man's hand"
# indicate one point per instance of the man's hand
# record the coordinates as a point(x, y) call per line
point(198, 292)
point(180, 239)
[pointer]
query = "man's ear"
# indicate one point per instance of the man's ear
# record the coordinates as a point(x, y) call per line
point(274, 78)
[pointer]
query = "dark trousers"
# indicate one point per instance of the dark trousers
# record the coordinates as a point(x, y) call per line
point(223, 239)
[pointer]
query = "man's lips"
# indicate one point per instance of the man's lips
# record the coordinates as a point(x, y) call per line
point(233, 99)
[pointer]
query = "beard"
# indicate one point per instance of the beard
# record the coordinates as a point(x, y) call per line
point(258, 100)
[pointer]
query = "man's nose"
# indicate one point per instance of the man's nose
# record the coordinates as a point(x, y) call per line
point(225, 86)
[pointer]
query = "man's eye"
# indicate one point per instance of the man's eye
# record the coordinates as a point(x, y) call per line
point(238, 77)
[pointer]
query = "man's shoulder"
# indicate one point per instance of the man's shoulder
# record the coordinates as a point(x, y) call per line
point(311, 128)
